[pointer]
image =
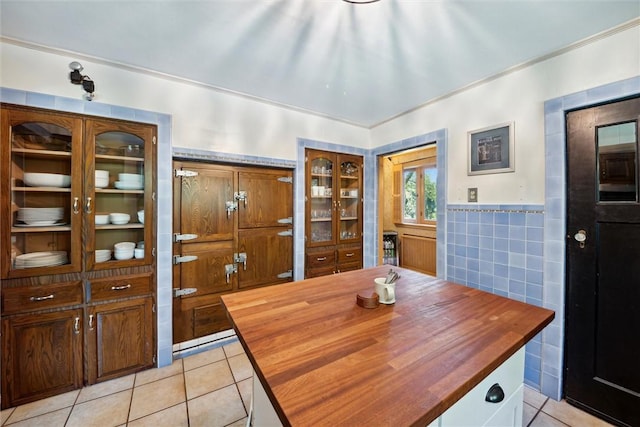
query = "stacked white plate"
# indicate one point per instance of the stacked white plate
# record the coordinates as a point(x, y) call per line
point(40, 216)
point(130, 181)
point(103, 255)
point(41, 259)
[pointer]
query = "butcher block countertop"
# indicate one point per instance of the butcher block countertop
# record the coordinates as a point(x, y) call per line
point(323, 360)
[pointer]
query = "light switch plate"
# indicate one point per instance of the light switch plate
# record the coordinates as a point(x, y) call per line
point(472, 194)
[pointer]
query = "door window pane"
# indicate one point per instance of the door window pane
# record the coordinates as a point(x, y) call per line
point(617, 147)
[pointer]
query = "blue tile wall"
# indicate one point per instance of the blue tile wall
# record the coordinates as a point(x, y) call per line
point(164, 244)
point(499, 249)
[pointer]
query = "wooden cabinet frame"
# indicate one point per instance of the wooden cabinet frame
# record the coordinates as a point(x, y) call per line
point(333, 212)
point(62, 325)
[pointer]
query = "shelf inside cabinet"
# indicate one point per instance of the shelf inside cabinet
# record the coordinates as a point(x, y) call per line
point(42, 189)
point(120, 226)
point(118, 191)
point(40, 229)
point(119, 158)
point(44, 154)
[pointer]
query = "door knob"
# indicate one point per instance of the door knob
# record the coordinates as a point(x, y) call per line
point(581, 237)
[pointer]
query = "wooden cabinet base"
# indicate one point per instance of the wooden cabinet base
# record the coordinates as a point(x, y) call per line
point(41, 355)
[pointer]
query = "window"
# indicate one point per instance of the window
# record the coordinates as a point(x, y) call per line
point(419, 194)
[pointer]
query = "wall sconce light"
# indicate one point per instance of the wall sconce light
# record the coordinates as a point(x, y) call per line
point(78, 79)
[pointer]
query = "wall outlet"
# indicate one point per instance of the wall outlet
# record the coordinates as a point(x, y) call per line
point(472, 194)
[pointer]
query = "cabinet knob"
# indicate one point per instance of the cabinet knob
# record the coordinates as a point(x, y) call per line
point(495, 394)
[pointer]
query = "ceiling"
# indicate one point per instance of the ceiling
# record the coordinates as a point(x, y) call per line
point(363, 64)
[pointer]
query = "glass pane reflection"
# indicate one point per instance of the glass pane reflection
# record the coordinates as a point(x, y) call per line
point(617, 147)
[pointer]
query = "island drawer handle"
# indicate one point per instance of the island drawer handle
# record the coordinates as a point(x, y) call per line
point(42, 298)
point(121, 288)
point(495, 394)
point(324, 258)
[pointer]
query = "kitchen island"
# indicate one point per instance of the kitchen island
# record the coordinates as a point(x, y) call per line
point(320, 359)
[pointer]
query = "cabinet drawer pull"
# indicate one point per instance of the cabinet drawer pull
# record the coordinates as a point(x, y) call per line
point(88, 205)
point(121, 288)
point(42, 298)
point(495, 394)
point(91, 322)
point(322, 258)
point(76, 204)
point(350, 254)
point(76, 326)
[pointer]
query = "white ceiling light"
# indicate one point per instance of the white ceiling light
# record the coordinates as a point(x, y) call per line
point(361, 1)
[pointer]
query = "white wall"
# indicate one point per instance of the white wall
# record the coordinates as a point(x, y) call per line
point(212, 120)
point(518, 96)
point(203, 118)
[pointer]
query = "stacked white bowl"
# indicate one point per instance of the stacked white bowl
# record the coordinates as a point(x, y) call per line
point(102, 218)
point(34, 179)
point(103, 255)
point(40, 216)
point(141, 216)
point(130, 181)
point(119, 218)
point(123, 250)
point(102, 179)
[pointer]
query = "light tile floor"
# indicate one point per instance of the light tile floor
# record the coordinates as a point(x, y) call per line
point(211, 388)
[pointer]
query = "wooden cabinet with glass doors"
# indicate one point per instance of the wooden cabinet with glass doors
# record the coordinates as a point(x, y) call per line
point(73, 188)
point(333, 212)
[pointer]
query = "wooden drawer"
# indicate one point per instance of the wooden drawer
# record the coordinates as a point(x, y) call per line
point(321, 259)
point(349, 255)
point(320, 271)
point(33, 298)
point(348, 266)
point(120, 287)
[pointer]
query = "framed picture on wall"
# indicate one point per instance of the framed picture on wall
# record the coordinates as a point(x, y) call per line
point(491, 150)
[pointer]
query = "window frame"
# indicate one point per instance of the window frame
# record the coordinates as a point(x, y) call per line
point(419, 166)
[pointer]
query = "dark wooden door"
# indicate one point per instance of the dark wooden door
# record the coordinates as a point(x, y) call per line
point(41, 355)
point(201, 217)
point(120, 338)
point(234, 216)
point(603, 262)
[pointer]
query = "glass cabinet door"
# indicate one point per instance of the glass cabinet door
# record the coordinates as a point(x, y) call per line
point(118, 194)
point(349, 206)
point(41, 186)
point(320, 195)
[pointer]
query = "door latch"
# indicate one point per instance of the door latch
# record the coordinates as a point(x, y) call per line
point(180, 237)
point(229, 269)
point(581, 237)
point(241, 195)
point(231, 206)
point(184, 173)
point(177, 259)
point(177, 292)
point(286, 274)
point(241, 258)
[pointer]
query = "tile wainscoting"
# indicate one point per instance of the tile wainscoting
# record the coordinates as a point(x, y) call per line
point(499, 249)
